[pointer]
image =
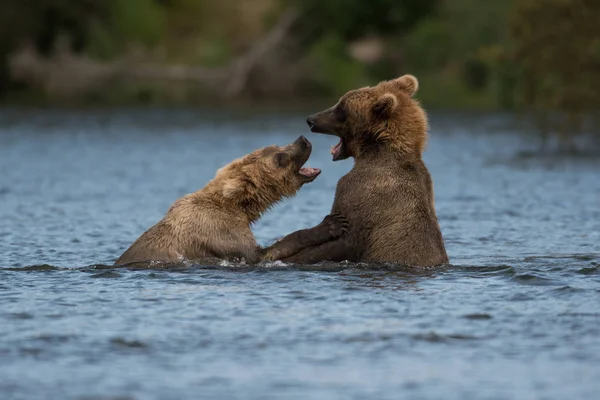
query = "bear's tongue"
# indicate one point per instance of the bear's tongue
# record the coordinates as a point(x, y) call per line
point(336, 151)
point(309, 172)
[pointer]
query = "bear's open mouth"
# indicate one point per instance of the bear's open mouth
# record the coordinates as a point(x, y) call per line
point(309, 174)
point(339, 151)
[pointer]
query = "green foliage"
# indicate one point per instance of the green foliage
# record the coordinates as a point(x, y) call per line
point(541, 54)
point(351, 19)
point(556, 43)
point(216, 53)
point(333, 71)
point(126, 22)
point(456, 48)
point(42, 21)
point(428, 46)
point(326, 28)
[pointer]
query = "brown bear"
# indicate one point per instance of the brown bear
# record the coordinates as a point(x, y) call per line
point(214, 222)
point(388, 195)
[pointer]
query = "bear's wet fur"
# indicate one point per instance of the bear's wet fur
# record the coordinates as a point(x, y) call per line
point(388, 195)
point(214, 222)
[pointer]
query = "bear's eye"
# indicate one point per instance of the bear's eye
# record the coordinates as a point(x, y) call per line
point(282, 159)
point(340, 113)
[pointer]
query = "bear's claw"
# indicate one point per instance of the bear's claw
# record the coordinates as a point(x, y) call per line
point(337, 225)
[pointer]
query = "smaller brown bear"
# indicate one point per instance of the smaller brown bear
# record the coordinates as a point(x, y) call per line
point(214, 222)
point(388, 194)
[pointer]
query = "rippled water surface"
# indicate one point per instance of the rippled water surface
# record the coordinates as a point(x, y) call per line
point(516, 315)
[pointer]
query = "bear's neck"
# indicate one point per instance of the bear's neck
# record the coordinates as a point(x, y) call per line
point(377, 153)
point(254, 208)
point(249, 208)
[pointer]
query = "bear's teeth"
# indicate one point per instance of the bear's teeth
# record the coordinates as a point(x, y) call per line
point(335, 149)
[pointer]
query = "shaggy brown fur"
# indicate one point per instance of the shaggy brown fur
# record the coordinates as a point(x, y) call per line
point(215, 221)
point(388, 194)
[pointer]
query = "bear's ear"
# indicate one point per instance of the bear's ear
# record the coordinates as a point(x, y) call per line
point(385, 105)
point(407, 83)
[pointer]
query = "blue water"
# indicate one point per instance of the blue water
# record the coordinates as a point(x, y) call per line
point(516, 316)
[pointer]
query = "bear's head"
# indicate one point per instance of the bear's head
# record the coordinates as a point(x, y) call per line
point(371, 117)
point(262, 178)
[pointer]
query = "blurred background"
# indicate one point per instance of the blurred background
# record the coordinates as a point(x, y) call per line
point(538, 56)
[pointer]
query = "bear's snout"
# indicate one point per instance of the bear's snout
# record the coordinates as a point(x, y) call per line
point(321, 122)
point(303, 142)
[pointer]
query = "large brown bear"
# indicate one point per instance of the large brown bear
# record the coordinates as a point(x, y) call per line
point(388, 194)
point(214, 222)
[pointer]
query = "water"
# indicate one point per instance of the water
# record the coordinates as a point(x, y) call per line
point(515, 316)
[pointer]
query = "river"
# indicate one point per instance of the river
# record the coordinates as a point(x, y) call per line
point(516, 315)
